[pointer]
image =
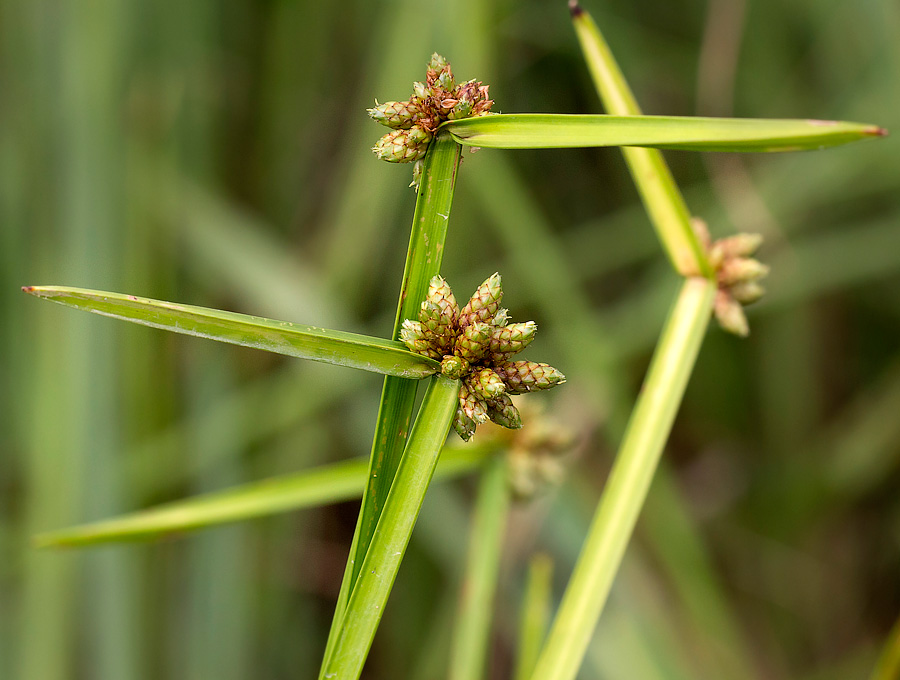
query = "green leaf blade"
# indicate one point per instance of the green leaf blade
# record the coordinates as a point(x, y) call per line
point(282, 337)
point(472, 631)
point(628, 484)
point(558, 131)
point(311, 488)
point(353, 636)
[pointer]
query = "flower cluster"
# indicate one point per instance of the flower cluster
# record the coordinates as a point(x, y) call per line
point(737, 274)
point(415, 121)
point(474, 345)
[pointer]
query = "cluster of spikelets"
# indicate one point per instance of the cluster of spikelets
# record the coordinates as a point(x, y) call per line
point(737, 274)
point(415, 121)
point(475, 345)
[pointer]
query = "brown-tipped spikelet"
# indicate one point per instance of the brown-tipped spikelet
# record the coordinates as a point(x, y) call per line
point(474, 346)
point(433, 101)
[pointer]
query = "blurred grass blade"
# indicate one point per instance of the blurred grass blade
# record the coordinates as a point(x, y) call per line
point(888, 666)
point(662, 199)
point(283, 337)
point(565, 131)
point(353, 637)
point(628, 483)
point(473, 625)
point(535, 614)
point(310, 488)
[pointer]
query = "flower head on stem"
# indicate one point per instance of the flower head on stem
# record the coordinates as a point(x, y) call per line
point(475, 345)
point(415, 121)
point(737, 275)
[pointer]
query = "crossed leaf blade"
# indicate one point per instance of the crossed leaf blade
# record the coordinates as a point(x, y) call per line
point(558, 131)
point(282, 337)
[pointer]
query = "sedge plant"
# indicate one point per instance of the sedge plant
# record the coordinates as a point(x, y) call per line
point(464, 353)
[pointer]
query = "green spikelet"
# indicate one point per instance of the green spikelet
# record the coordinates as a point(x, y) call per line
point(438, 314)
point(509, 340)
point(437, 63)
point(403, 146)
point(472, 406)
point(473, 341)
point(484, 304)
point(485, 384)
point(502, 411)
point(418, 339)
point(465, 427)
point(421, 93)
point(454, 367)
point(445, 81)
point(527, 376)
point(474, 96)
point(397, 115)
point(462, 109)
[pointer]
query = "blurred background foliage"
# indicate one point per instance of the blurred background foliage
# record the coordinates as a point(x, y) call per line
point(218, 154)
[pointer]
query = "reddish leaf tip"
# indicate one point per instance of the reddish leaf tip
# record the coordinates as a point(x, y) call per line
point(575, 9)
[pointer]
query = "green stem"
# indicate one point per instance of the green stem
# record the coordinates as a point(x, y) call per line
point(662, 199)
point(423, 261)
point(473, 624)
point(354, 635)
point(628, 483)
point(535, 614)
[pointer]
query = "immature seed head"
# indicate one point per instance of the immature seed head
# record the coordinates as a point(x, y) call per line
point(474, 345)
point(433, 101)
point(403, 146)
point(737, 275)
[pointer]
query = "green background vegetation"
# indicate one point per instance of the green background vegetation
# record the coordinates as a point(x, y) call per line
point(218, 154)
